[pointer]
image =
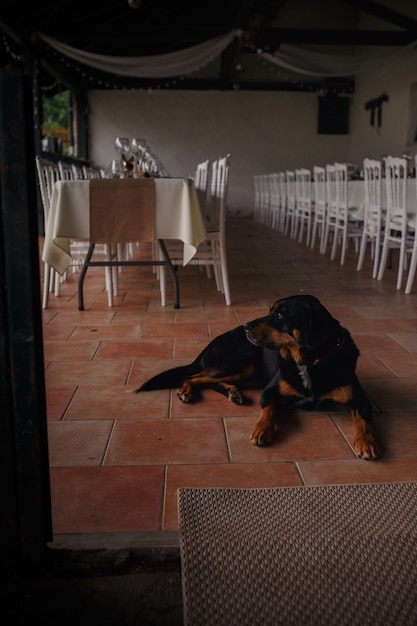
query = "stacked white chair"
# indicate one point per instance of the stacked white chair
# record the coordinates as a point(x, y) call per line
point(320, 205)
point(373, 222)
point(396, 230)
point(303, 205)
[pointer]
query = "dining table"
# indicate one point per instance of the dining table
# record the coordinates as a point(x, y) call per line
point(173, 213)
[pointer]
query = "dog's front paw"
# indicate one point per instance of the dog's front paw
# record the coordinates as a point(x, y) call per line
point(262, 434)
point(185, 393)
point(367, 449)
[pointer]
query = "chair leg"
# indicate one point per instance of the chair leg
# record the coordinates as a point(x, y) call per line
point(334, 246)
point(109, 276)
point(412, 270)
point(377, 252)
point(383, 261)
point(362, 250)
point(161, 275)
point(162, 284)
point(401, 265)
point(46, 282)
point(225, 277)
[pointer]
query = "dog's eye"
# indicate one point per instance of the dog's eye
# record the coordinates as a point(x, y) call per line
point(279, 315)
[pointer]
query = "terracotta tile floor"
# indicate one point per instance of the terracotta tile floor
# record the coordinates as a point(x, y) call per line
point(117, 458)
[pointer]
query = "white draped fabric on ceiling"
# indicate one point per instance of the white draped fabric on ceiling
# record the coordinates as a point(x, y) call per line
point(189, 60)
point(317, 64)
point(178, 63)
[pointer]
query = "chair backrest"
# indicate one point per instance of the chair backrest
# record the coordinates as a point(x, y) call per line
point(219, 189)
point(319, 176)
point(48, 174)
point(396, 187)
point(265, 195)
point(275, 190)
point(341, 177)
point(257, 197)
point(201, 181)
point(65, 171)
point(90, 172)
point(275, 199)
point(201, 177)
point(372, 173)
point(77, 171)
point(290, 189)
point(331, 193)
point(283, 189)
point(303, 188)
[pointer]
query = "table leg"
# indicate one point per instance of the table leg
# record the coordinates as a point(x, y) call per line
point(166, 261)
point(172, 272)
point(82, 276)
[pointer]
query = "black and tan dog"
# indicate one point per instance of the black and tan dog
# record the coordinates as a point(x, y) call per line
point(297, 352)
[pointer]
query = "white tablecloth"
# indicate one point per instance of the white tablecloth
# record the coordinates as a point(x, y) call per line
point(177, 216)
point(356, 197)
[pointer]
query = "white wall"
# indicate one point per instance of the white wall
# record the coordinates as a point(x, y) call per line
point(263, 131)
point(395, 79)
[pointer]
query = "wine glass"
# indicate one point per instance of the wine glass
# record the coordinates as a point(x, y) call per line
point(141, 149)
point(122, 144)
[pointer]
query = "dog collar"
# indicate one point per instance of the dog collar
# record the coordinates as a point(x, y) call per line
point(339, 344)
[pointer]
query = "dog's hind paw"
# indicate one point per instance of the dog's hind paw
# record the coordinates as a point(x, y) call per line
point(367, 449)
point(184, 396)
point(235, 396)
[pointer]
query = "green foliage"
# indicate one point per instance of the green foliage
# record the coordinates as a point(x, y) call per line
point(55, 112)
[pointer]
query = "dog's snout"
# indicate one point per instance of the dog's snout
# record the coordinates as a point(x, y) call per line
point(248, 326)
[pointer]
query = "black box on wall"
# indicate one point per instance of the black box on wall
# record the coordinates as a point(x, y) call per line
point(333, 115)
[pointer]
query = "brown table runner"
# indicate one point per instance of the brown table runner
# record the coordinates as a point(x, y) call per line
point(122, 210)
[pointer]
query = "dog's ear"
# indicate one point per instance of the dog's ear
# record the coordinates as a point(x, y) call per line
point(320, 327)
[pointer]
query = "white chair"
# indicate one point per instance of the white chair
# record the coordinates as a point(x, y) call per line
point(201, 183)
point(79, 249)
point(283, 201)
point(303, 206)
point(373, 223)
point(319, 214)
point(90, 172)
point(412, 225)
point(274, 200)
point(345, 227)
point(257, 213)
point(265, 199)
point(77, 171)
point(65, 171)
point(290, 205)
point(396, 231)
point(48, 174)
point(331, 208)
point(212, 252)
